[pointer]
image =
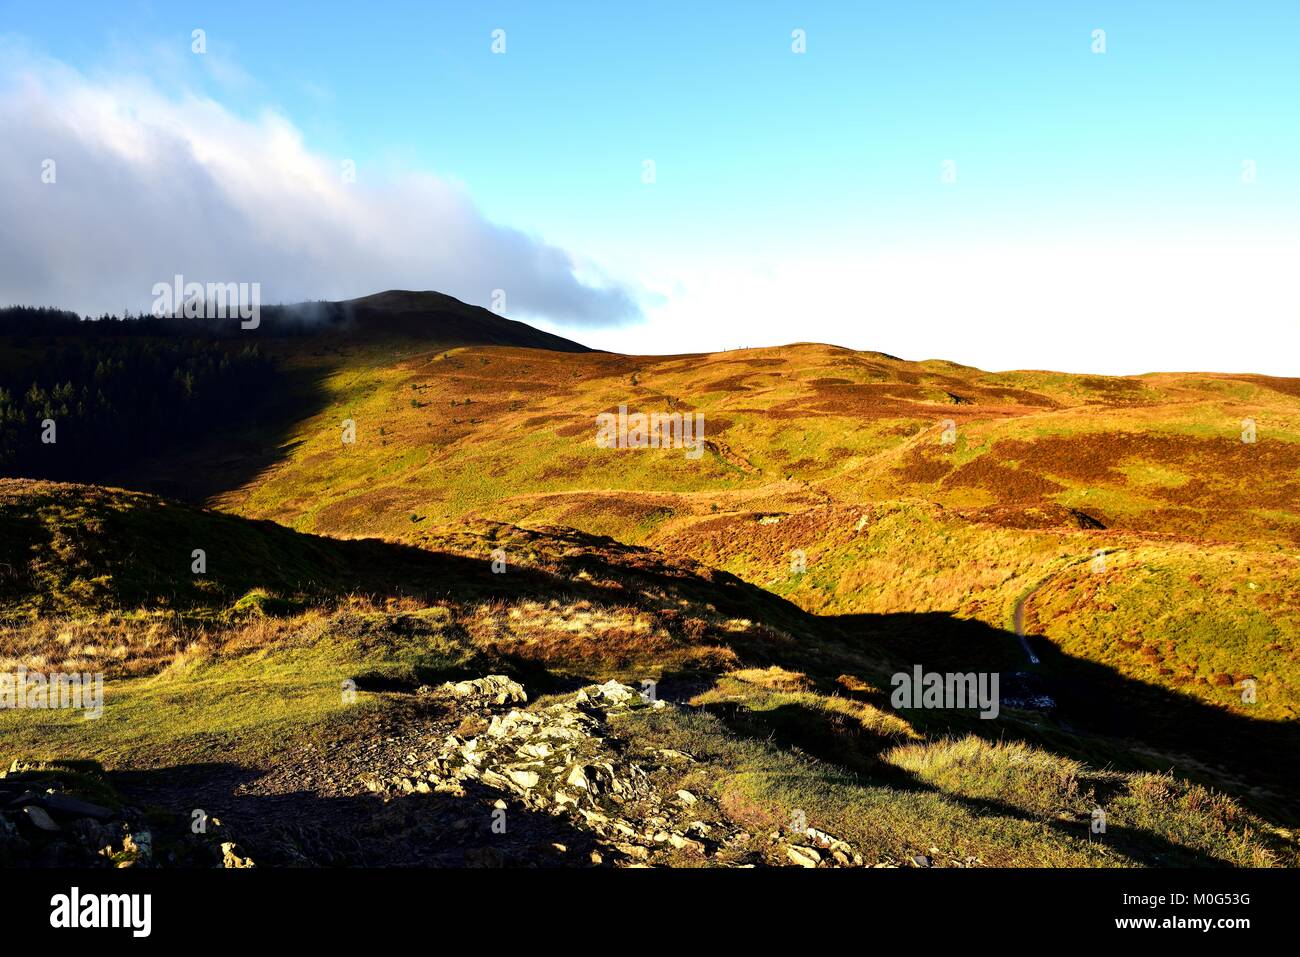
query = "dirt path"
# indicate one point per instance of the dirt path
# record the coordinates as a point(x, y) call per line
point(1018, 616)
point(1020, 621)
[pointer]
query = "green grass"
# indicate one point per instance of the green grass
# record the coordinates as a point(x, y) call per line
point(961, 807)
point(243, 666)
point(243, 705)
point(1194, 520)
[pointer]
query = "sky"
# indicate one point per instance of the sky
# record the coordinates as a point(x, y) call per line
point(998, 184)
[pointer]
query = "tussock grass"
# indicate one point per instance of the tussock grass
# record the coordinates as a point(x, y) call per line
point(1026, 777)
point(965, 802)
point(792, 719)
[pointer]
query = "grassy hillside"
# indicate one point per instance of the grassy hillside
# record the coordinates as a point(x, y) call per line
point(788, 711)
point(840, 456)
point(510, 433)
point(852, 515)
point(1192, 617)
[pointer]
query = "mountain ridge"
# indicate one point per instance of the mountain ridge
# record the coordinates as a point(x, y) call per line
point(427, 317)
point(409, 313)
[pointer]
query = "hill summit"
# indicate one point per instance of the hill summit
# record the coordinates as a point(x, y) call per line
point(428, 316)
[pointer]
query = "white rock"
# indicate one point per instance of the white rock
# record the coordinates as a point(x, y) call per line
point(803, 856)
point(525, 779)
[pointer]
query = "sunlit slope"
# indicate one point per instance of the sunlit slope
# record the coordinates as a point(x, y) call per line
point(843, 457)
point(1200, 619)
point(93, 576)
point(510, 433)
point(780, 710)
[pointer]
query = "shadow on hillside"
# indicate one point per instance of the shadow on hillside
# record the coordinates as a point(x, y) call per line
point(1101, 716)
point(798, 727)
point(303, 828)
point(230, 458)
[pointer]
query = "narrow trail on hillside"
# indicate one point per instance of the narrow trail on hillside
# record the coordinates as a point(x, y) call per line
point(1019, 613)
point(1034, 690)
point(1026, 689)
point(1019, 627)
point(1020, 622)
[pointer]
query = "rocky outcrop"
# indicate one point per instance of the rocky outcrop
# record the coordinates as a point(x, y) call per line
point(468, 773)
point(492, 690)
point(566, 760)
point(561, 756)
point(43, 823)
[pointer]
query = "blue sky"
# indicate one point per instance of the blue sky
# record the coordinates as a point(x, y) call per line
point(787, 181)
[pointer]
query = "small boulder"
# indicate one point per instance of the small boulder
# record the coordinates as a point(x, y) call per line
point(803, 856)
point(73, 807)
point(232, 857)
point(497, 689)
point(39, 818)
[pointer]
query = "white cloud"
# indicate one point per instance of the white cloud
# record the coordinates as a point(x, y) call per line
point(1213, 302)
point(150, 185)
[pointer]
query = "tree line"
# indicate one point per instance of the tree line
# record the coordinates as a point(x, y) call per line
point(80, 398)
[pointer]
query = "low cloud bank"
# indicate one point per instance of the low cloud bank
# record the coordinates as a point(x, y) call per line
point(106, 189)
